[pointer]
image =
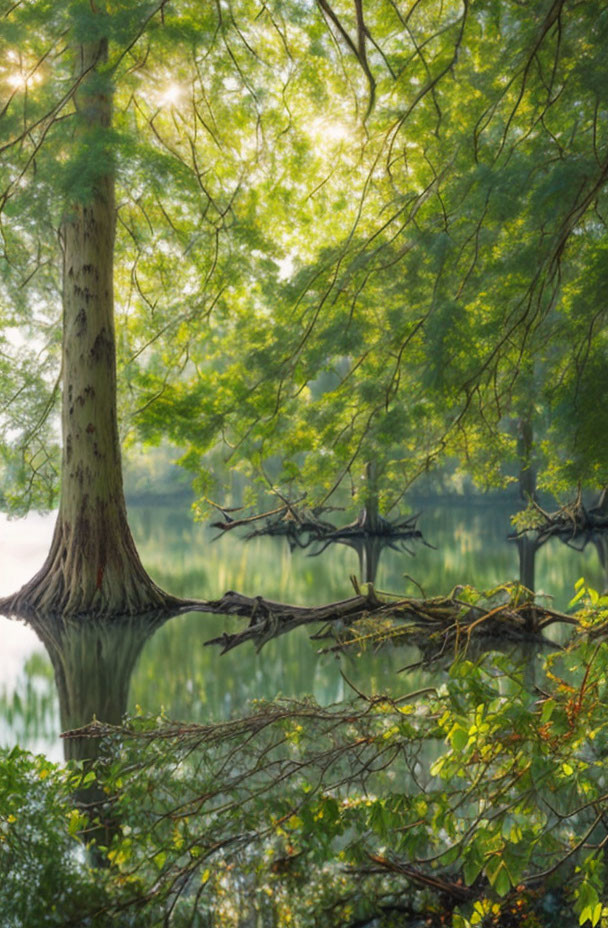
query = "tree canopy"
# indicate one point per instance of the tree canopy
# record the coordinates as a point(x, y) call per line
point(316, 237)
point(342, 233)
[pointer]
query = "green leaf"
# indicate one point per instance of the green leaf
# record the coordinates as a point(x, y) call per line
point(458, 738)
point(547, 710)
point(501, 881)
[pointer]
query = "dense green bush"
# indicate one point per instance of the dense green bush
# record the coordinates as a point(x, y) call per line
point(45, 876)
point(478, 801)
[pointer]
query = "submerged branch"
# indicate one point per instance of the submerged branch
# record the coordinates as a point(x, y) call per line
point(440, 627)
point(437, 626)
point(573, 522)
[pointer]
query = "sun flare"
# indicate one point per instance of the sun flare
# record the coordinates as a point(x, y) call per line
point(170, 95)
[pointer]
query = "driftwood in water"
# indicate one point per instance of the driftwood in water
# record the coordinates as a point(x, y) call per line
point(309, 528)
point(229, 522)
point(373, 618)
point(439, 626)
point(574, 523)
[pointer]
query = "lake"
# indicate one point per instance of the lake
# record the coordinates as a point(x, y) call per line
point(176, 673)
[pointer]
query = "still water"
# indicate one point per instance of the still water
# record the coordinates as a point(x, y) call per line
point(180, 675)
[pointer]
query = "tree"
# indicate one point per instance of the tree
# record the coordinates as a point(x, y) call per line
point(92, 565)
point(90, 106)
point(65, 127)
point(473, 213)
point(475, 208)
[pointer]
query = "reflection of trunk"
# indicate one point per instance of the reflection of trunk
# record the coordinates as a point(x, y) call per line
point(601, 546)
point(93, 662)
point(369, 551)
point(527, 658)
point(93, 567)
point(527, 555)
point(601, 507)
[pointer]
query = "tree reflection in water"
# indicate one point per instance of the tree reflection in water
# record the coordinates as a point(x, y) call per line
point(176, 670)
point(93, 661)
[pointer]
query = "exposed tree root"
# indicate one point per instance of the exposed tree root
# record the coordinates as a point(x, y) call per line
point(48, 595)
point(440, 627)
point(83, 575)
point(303, 526)
point(574, 523)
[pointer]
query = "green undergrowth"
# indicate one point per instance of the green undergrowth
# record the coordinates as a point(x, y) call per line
point(479, 801)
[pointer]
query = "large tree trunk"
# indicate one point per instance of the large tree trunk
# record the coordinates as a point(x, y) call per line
point(370, 517)
point(527, 548)
point(93, 567)
point(527, 545)
point(525, 453)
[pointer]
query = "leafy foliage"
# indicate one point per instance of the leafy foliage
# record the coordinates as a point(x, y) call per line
point(340, 238)
point(43, 877)
point(476, 800)
point(479, 801)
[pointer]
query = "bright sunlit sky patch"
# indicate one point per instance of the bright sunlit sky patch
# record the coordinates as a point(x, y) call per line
point(18, 74)
point(170, 94)
point(329, 133)
point(16, 80)
point(24, 544)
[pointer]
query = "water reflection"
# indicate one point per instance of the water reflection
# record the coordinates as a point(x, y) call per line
point(527, 549)
point(92, 661)
point(170, 665)
point(369, 550)
point(600, 543)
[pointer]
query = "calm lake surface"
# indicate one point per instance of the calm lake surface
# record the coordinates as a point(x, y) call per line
point(178, 674)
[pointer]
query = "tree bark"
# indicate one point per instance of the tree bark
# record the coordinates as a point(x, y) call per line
point(527, 549)
point(525, 451)
point(93, 567)
point(370, 518)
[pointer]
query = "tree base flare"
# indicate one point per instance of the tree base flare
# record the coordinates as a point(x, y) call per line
point(87, 574)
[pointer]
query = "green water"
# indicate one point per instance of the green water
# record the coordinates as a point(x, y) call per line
point(179, 674)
